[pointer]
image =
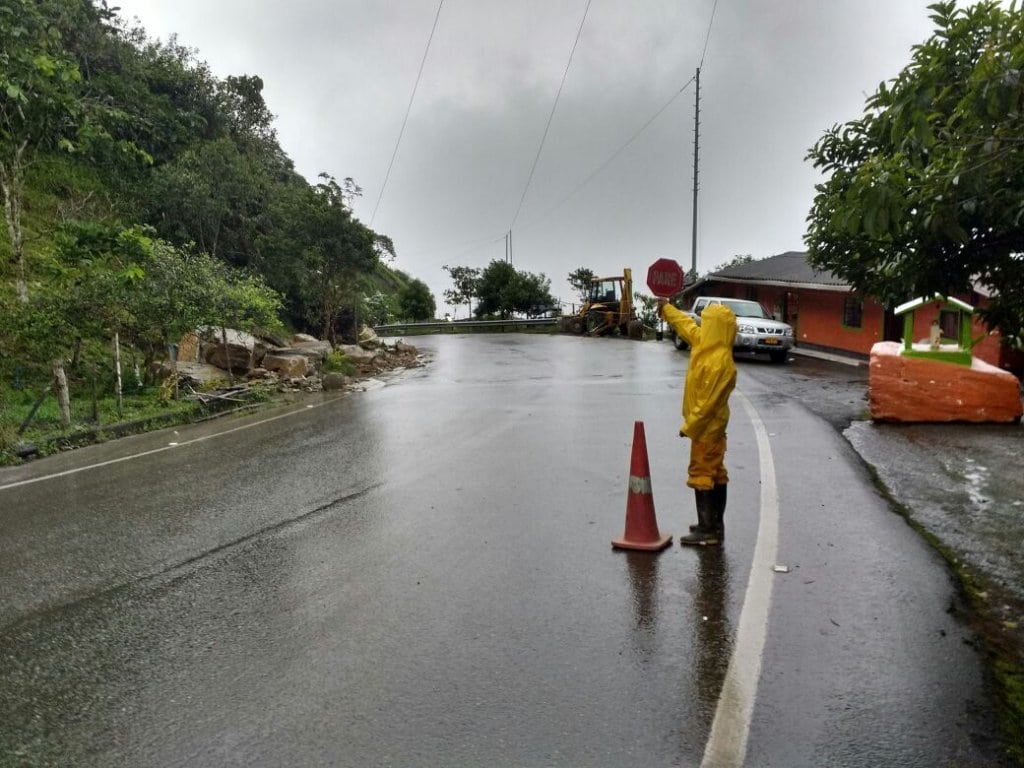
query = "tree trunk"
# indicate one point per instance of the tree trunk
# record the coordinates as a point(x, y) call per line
point(60, 383)
point(11, 176)
point(172, 350)
point(329, 317)
point(117, 375)
point(95, 398)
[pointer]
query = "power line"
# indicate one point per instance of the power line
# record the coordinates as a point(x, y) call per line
point(552, 115)
point(707, 37)
point(457, 251)
point(407, 111)
point(473, 245)
point(634, 137)
point(614, 155)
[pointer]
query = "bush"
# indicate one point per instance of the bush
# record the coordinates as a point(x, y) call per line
point(336, 362)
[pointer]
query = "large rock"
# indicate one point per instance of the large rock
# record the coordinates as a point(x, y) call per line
point(288, 365)
point(334, 381)
point(259, 374)
point(197, 374)
point(244, 351)
point(368, 338)
point(916, 389)
point(315, 350)
point(357, 354)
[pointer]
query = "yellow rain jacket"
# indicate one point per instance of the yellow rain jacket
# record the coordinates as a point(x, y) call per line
point(711, 375)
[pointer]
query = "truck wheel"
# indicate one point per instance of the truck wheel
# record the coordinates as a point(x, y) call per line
point(634, 329)
point(595, 322)
point(679, 342)
point(576, 325)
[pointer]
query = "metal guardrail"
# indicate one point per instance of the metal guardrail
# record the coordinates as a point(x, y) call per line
point(461, 326)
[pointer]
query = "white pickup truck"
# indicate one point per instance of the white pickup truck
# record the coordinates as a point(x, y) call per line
point(756, 330)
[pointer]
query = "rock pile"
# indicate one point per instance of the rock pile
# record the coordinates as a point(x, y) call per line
point(215, 354)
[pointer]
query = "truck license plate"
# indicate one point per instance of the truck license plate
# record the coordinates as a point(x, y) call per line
point(771, 340)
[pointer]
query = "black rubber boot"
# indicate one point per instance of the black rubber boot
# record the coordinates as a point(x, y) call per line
point(705, 535)
point(718, 497)
point(717, 521)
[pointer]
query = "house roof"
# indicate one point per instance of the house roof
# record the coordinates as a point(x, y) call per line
point(902, 309)
point(789, 270)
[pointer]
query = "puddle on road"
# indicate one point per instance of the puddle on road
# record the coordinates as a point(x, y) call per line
point(975, 480)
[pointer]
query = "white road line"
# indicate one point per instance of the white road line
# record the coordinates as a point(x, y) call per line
point(168, 447)
point(727, 744)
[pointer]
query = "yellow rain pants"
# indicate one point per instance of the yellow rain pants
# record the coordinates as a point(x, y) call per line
point(707, 464)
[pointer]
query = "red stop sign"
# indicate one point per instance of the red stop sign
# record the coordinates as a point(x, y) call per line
point(665, 278)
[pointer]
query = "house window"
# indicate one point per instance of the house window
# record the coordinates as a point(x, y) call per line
point(949, 323)
point(853, 312)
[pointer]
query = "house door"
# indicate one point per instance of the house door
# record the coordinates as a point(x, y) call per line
point(893, 330)
point(791, 308)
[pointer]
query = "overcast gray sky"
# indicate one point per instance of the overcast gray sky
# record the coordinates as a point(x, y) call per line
point(339, 75)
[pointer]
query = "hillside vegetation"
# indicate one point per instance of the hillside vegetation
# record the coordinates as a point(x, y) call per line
point(143, 197)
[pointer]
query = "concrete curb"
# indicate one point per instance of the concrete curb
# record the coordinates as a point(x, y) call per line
point(845, 360)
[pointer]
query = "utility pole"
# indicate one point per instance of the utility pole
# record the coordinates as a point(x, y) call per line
point(696, 151)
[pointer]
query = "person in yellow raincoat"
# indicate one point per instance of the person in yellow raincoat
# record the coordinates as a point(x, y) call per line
point(710, 379)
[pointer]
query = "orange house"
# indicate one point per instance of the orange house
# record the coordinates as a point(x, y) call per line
point(826, 314)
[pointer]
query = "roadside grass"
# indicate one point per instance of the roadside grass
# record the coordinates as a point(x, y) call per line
point(97, 420)
point(30, 425)
point(991, 618)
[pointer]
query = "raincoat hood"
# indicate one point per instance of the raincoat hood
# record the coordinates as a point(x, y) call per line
point(717, 327)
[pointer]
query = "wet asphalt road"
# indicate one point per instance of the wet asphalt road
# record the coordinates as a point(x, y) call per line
point(421, 575)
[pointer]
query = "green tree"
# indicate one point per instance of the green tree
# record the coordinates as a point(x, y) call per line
point(176, 297)
point(503, 290)
point(209, 195)
point(416, 302)
point(39, 106)
point(86, 291)
point(533, 293)
point(647, 309)
point(735, 261)
point(340, 252)
point(466, 281)
point(106, 280)
point(580, 279)
point(925, 192)
point(248, 119)
point(379, 308)
point(100, 125)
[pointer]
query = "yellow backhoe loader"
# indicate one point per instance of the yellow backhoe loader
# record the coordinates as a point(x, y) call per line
point(609, 308)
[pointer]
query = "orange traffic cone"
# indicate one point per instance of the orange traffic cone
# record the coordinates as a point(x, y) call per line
point(641, 526)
